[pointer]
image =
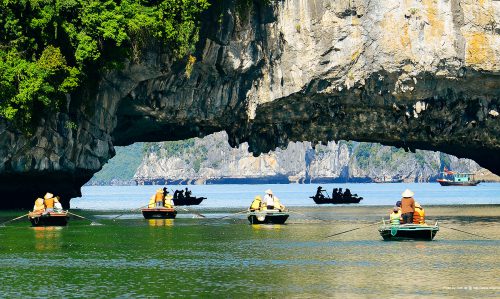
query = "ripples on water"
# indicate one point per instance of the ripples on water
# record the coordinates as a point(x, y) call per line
point(210, 257)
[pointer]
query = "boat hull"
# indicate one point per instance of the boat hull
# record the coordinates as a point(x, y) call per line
point(266, 217)
point(190, 201)
point(408, 232)
point(327, 200)
point(159, 213)
point(452, 183)
point(49, 219)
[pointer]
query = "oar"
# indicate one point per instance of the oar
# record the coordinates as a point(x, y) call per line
point(92, 222)
point(240, 212)
point(465, 232)
point(129, 211)
point(184, 209)
point(3, 223)
point(306, 215)
point(352, 230)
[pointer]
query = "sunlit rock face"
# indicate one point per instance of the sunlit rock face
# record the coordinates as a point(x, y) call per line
point(416, 74)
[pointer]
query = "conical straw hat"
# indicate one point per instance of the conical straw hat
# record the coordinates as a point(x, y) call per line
point(407, 193)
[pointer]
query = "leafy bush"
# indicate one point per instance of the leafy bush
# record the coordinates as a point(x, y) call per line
point(48, 47)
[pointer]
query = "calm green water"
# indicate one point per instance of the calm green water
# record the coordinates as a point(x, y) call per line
point(133, 257)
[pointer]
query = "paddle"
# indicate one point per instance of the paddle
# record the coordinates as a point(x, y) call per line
point(307, 216)
point(352, 229)
point(3, 223)
point(184, 209)
point(92, 222)
point(129, 211)
point(240, 212)
point(464, 232)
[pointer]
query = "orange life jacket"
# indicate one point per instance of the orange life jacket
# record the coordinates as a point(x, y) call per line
point(419, 216)
point(49, 203)
point(158, 197)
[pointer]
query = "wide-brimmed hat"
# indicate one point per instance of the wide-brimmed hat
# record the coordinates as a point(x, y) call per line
point(417, 205)
point(407, 193)
point(269, 191)
point(48, 195)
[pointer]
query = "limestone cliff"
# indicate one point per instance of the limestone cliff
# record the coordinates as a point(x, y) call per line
point(211, 160)
point(415, 74)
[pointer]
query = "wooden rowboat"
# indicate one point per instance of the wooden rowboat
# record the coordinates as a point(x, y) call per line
point(267, 217)
point(159, 213)
point(188, 201)
point(421, 232)
point(48, 219)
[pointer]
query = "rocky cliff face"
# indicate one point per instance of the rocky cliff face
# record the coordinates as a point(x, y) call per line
point(414, 74)
point(211, 160)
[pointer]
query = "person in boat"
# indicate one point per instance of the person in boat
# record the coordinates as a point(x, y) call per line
point(180, 195)
point(335, 193)
point(277, 204)
point(319, 193)
point(48, 201)
point(169, 203)
point(39, 207)
point(256, 204)
point(57, 204)
point(158, 198)
point(268, 201)
point(187, 193)
point(151, 203)
point(395, 216)
point(407, 206)
point(419, 214)
point(347, 193)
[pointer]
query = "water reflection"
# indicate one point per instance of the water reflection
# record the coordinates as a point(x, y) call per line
point(161, 222)
point(47, 237)
point(259, 227)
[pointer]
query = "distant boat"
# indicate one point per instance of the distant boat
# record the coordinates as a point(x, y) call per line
point(340, 200)
point(267, 217)
point(49, 219)
point(451, 178)
point(385, 180)
point(338, 197)
point(188, 201)
point(180, 198)
point(421, 232)
point(159, 213)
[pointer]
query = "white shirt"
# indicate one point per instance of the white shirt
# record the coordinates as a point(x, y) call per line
point(268, 200)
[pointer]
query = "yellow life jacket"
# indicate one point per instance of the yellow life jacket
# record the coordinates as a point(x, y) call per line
point(395, 218)
point(151, 202)
point(39, 206)
point(168, 201)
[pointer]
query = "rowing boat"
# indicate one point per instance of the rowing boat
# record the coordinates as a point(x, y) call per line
point(422, 232)
point(159, 213)
point(267, 217)
point(188, 201)
point(48, 219)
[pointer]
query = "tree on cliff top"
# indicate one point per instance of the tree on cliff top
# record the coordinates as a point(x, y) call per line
point(48, 47)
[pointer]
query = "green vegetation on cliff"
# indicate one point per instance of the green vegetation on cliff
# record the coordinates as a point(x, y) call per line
point(123, 165)
point(49, 47)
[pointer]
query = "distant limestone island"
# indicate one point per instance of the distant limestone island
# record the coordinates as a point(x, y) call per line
point(211, 160)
